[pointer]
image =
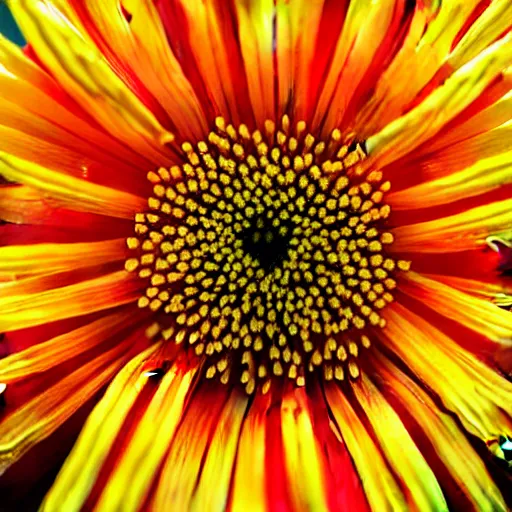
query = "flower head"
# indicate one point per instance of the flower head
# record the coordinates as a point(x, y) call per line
point(271, 238)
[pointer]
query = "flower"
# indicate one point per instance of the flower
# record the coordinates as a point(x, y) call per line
point(276, 233)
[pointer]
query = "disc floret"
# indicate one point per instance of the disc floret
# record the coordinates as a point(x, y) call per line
point(265, 253)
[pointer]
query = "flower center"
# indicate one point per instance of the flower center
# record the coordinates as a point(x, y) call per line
point(264, 253)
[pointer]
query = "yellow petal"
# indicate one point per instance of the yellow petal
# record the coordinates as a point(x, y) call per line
point(460, 232)
point(42, 415)
point(380, 486)
point(497, 290)
point(213, 487)
point(494, 21)
point(72, 192)
point(43, 356)
point(295, 49)
point(424, 493)
point(255, 25)
point(433, 30)
point(84, 73)
point(465, 385)
point(55, 148)
point(485, 175)
point(302, 454)
point(184, 458)
point(131, 479)
point(406, 133)
point(478, 314)
point(44, 258)
point(484, 123)
point(33, 102)
point(449, 441)
point(364, 29)
point(19, 312)
point(463, 149)
point(248, 488)
point(141, 45)
point(81, 469)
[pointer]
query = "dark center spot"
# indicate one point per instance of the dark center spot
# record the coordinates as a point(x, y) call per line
point(265, 244)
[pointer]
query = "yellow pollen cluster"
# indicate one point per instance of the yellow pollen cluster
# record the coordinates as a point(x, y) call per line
point(265, 254)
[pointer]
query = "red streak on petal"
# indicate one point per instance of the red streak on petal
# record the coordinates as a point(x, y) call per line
point(178, 34)
point(344, 488)
point(391, 44)
point(65, 226)
point(331, 25)
point(477, 11)
point(468, 339)
point(63, 98)
point(121, 442)
point(480, 263)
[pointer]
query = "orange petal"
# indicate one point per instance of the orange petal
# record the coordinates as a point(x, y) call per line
point(206, 39)
point(423, 491)
point(43, 356)
point(465, 385)
point(84, 73)
point(32, 285)
point(460, 232)
point(477, 314)
point(449, 441)
point(33, 102)
point(78, 475)
point(44, 258)
point(141, 46)
point(19, 312)
point(72, 192)
point(20, 204)
point(285, 56)
point(84, 162)
point(24, 207)
point(382, 490)
point(38, 418)
point(295, 54)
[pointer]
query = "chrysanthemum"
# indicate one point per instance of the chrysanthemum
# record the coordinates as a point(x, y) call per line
point(275, 235)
